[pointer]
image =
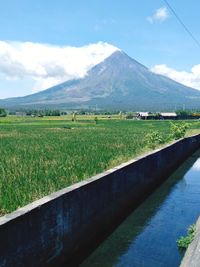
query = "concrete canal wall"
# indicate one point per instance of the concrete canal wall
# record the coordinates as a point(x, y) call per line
point(55, 229)
point(192, 255)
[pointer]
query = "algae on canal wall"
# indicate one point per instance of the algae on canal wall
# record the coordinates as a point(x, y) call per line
point(192, 255)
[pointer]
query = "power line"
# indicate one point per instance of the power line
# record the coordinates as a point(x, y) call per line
point(182, 23)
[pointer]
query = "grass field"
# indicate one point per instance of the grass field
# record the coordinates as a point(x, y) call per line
point(42, 155)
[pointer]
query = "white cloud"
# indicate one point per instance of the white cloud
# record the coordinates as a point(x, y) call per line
point(191, 79)
point(49, 65)
point(161, 14)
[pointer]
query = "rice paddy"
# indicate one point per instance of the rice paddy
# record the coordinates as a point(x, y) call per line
point(42, 155)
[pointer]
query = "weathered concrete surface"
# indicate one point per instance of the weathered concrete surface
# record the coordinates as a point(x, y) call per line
point(192, 255)
point(54, 230)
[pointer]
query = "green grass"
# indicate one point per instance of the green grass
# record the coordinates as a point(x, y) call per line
point(42, 155)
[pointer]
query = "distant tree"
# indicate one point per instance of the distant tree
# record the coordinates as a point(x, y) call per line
point(41, 113)
point(183, 114)
point(28, 112)
point(129, 115)
point(107, 113)
point(12, 113)
point(82, 112)
point(63, 113)
point(96, 120)
point(3, 113)
point(157, 116)
point(56, 112)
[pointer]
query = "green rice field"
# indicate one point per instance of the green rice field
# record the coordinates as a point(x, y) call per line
point(42, 155)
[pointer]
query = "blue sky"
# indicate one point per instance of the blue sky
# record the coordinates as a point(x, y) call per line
point(155, 39)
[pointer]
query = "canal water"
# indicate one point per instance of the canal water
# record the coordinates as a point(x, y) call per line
point(147, 238)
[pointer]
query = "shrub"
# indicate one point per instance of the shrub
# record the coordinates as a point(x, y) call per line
point(178, 130)
point(153, 139)
point(184, 241)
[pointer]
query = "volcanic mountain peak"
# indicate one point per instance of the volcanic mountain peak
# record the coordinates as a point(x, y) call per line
point(118, 82)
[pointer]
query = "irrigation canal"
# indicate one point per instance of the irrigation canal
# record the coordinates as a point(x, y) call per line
point(147, 238)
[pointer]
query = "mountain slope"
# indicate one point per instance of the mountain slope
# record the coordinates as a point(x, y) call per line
point(119, 82)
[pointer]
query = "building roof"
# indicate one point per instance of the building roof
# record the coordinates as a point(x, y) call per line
point(143, 114)
point(168, 114)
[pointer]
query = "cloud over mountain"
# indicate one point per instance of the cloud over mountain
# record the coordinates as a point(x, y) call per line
point(191, 78)
point(49, 65)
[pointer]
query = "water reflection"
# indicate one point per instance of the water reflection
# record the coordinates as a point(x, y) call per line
point(147, 238)
point(196, 165)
